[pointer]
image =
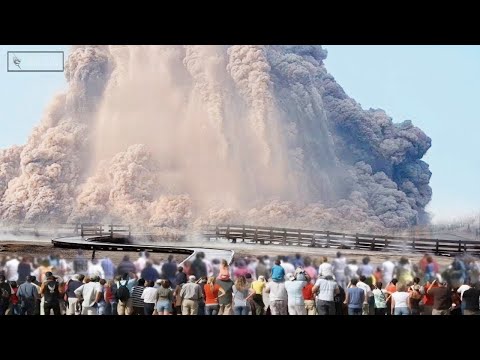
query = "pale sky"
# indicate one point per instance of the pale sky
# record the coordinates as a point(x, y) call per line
point(437, 87)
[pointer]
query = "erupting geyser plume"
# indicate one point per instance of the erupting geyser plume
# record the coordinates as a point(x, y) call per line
point(182, 136)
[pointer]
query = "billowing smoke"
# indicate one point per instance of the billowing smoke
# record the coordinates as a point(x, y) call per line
point(189, 136)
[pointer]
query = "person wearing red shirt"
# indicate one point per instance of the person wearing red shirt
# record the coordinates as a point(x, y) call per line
point(309, 297)
point(428, 299)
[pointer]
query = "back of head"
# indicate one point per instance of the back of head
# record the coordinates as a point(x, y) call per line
point(394, 281)
point(363, 278)
point(277, 262)
point(141, 282)
point(354, 281)
point(339, 254)
point(192, 278)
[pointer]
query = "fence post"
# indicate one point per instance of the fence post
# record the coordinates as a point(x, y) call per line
point(271, 235)
point(299, 236)
point(255, 235)
point(129, 232)
point(313, 240)
point(262, 241)
point(244, 233)
point(284, 240)
point(372, 245)
point(413, 243)
point(459, 245)
point(217, 232)
point(111, 230)
point(386, 242)
point(436, 247)
point(81, 230)
point(328, 239)
point(227, 232)
point(357, 241)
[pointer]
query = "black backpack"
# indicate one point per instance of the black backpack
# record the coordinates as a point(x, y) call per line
point(122, 292)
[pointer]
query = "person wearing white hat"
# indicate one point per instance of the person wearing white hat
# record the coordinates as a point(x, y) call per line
point(296, 303)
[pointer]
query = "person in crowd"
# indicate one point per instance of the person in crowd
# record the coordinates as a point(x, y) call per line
point(199, 268)
point(442, 298)
point(73, 284)
point(325, 268)
point(355, 298)
point(169, 270)
point(90, 293)
point(241, 293)
point(27, 294)
point(258, 287)
point(326, 288)
point(164, 298)
point(338, 266)
point(471, 299)
point(149, 273)
point(136, 295)
point(212, 291)
point(191, 293)
point(278, 297)
point(365, 269)
point(149, 297)
point(401, 301)
point(224, 273)
point(50, 291)
point(278, 272)
point(126, 266)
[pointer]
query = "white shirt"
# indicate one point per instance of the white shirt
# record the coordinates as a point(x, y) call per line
point(289, 268)
point(387, 270)
point(325, 269)
point(89, 293)
point(326, 289)
point(11, 269)
point(149, 295)
point(95, 270)
point(401, 299)
point(339, 265)
point(366, 289)
point(462, 289)
point(277, 291)
point(294, 291)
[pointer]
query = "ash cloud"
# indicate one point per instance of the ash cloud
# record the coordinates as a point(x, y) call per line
point(189, 136)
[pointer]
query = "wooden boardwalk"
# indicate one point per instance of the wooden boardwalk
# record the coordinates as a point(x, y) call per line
point(330, 239)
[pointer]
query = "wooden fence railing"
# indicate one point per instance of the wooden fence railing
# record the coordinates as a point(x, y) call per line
point(276, 236)
point(331, 239)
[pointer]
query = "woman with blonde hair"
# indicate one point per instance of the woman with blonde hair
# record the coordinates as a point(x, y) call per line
point(212, 290)
point(401, 300)
point(241, 293)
